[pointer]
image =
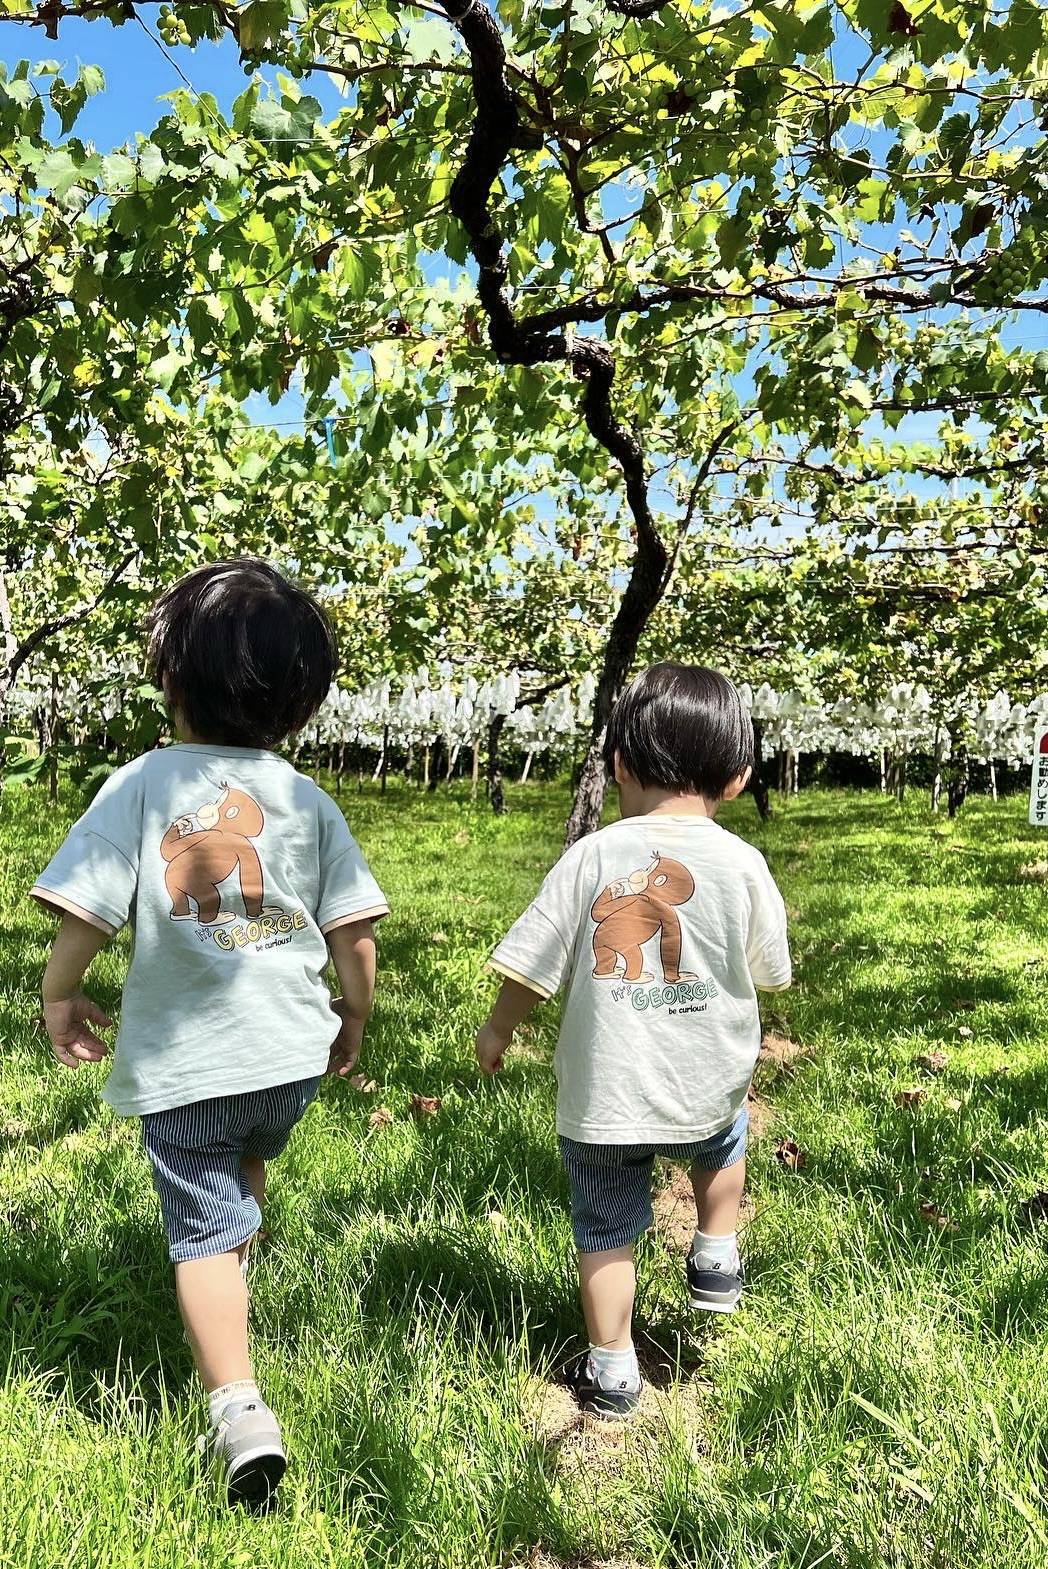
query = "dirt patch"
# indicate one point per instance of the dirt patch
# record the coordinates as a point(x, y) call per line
point(581, 1443)
point(538, 1559)
point(673, 1204)
point(588, 1445)
point(552, 1409)
point(674, 1209)
point(778, 1050)
point(762, 1115)
point(531, 1047)
point(1034, 872)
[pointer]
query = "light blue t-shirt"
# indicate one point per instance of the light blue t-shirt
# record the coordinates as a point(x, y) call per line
point(231, 867)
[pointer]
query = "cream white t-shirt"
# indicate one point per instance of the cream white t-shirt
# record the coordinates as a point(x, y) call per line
point(231, 867)
point(661, 928)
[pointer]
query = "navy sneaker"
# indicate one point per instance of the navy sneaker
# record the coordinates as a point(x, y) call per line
point(716, 1289)
point(613, 1405)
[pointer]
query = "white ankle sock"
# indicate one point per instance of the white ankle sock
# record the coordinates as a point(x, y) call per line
point(243, 1389)
point(615, 1369)
point(715, 1252)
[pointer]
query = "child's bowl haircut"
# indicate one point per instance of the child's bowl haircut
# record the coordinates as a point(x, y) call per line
point(681, 728)
point(245, 657)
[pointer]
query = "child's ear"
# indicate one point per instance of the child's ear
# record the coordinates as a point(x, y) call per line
point(737, 785)
point(620, 773)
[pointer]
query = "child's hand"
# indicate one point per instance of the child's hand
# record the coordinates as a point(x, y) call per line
point(346, 1046)
point(492, 1044)
point(67, 1021)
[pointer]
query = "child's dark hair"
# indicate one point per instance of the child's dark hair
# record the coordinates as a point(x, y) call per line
point(244, 656)
point(680, 728)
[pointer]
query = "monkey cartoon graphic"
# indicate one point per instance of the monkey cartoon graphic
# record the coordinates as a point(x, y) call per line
point(203, 847)
point(630, 911)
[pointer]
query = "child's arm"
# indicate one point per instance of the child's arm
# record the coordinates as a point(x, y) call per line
point(352, 949)
point(512, 1005)
point(68, 1014)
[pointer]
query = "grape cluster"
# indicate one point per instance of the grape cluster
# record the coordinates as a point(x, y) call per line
point(815, 403)
point(762, 190)
point(895, 337)
point(171, 28)
point(1007, 275)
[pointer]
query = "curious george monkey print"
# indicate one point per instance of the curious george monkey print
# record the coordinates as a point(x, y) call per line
point(204, 847)
point(630, 911)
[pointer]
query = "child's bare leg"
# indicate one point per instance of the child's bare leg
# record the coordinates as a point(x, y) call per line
point(607, 1380)
point(254, 1170)
point(608, 1284)
point(212, 1297)
point(715, 1276)
point(718, 1198)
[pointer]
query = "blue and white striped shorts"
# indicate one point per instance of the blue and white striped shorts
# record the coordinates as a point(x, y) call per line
point(611, 1183)
point(196, 1153)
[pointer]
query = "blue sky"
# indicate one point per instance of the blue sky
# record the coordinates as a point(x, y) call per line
point(137, 72)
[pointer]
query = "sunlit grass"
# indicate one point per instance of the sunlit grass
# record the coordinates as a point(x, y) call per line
point(881, 1399)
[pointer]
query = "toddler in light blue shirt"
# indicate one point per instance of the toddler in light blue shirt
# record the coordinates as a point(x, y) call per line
point(241, 880)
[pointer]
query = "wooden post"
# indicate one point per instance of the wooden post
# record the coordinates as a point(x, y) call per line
point(385, 758)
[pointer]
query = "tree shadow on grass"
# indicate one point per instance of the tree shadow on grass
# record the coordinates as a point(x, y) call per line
point(94, 1312)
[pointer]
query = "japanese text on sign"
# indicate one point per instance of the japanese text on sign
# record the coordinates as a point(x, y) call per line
point(1039, 779)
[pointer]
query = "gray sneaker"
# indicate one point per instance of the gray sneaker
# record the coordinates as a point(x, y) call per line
point(714, 1290)
point(246, 1446)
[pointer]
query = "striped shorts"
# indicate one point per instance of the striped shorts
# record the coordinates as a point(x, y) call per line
point(196, 1153)
point(611, 1183)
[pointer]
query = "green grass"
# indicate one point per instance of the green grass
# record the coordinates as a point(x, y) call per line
point(882, 1398)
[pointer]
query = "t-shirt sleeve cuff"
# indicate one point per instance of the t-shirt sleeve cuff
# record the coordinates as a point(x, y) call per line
point(779, 984)
point(543, 989)
point(370, 912)
point(61, 902)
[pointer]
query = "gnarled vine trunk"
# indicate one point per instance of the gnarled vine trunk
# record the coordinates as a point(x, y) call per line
point(496, 795)
point(957, 778)
point(642, 594)
point(758, 785)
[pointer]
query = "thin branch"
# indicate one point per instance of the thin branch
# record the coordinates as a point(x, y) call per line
point(703, 474)
point(636, 9)
point(48, 629)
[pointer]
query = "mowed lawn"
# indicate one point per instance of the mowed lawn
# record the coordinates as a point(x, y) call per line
point(880, 1399)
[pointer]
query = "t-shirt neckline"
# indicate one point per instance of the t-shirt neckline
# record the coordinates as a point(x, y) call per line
point(211, 749)
point(670, 817)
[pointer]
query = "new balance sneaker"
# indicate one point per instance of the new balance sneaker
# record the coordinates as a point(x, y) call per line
point(613, 1405)
point(245, 1444)
point(715, 1287)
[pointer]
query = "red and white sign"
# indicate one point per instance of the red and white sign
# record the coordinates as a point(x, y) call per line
point(1039, 779)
